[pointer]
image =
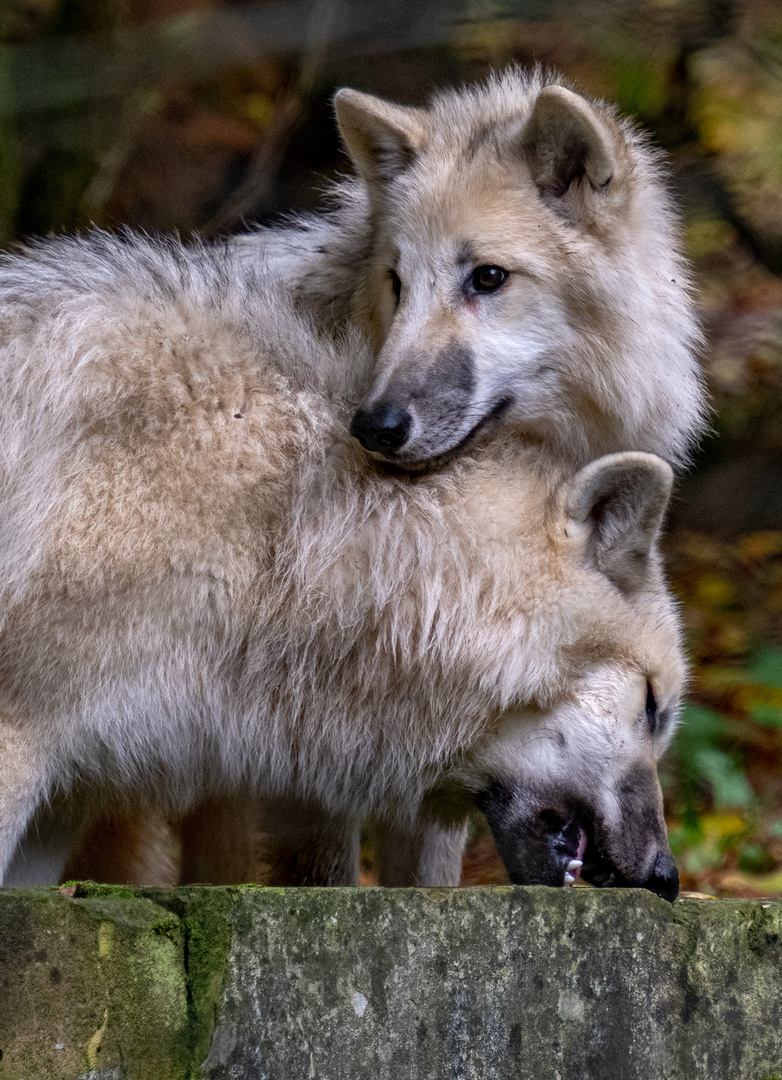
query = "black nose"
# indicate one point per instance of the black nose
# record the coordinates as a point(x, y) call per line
point(383, 429)
point(664, 879)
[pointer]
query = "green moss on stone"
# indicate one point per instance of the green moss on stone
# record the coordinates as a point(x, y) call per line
point(204, 914)
point(84, 889)
point(91, 983)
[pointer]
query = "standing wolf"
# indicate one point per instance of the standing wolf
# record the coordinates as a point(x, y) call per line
point(206, 583)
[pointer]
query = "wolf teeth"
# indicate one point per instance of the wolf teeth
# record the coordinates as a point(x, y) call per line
point(574, 864)
point(569, 879)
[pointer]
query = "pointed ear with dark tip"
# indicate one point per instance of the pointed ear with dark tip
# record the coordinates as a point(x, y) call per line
point(565, 140)
point(382, 139)
point(615, 507)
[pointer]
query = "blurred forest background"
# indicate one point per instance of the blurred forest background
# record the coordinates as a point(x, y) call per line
point(202, 116)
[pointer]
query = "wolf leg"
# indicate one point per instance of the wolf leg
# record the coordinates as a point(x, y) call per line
point(426, 853)
point(221, 842)
point(231, 840)
point(305, 845)
point(23, 784)
point(135, 847)
point(273, 841)
point(41, 854)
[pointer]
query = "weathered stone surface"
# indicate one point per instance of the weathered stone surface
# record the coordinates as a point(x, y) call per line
point(499, 984)
point(90, 987)
point(342, 984)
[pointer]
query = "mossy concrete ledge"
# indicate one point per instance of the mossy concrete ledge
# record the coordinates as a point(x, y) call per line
point(346, 984)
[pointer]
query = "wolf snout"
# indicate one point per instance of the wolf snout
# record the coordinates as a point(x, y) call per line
point(664, 879)
point(383, 429)
point(545, 840)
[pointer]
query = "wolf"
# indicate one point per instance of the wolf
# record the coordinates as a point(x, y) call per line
point(512, 253)
point(208, 586)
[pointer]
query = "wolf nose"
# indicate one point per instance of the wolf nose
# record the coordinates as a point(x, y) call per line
point(383, 429)
point(664, 879)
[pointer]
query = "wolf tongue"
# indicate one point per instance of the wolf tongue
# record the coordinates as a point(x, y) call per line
point(573, 868)
point(582, 843)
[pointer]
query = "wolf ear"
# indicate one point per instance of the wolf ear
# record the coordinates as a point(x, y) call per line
point(382, 139)
point(615, 508)
point(565, 140)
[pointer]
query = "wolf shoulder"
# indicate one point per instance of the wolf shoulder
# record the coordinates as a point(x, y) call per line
point(157, 399)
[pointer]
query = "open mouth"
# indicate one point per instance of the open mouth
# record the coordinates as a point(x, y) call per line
point(568, 844)
point(574, 866)
point(436, 461)
point(577, 855)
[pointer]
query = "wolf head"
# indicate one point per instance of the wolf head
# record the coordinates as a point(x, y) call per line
point(569, 785)
point(523, 266)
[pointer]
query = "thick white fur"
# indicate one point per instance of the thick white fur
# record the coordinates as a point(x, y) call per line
point(594, 336)
point(206, 585)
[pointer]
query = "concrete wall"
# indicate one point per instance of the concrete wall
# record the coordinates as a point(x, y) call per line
point(342, 984)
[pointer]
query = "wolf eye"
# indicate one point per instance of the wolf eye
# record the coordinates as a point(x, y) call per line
point(651, 708)
point(487, 279)
point(396, 284)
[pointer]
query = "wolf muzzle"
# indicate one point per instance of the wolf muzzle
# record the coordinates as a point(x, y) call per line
point(548, 847)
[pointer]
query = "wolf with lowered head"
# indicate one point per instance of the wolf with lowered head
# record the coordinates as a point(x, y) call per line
point(208, 586)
